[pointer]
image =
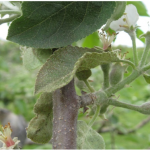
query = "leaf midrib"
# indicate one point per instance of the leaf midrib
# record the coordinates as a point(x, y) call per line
point(43, 20)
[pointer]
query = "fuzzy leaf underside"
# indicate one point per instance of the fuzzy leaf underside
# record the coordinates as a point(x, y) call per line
point(33, 58)
point(61, 67)
point(87, 138)
point(30, 61)
point(40, 127)
point(58, 24)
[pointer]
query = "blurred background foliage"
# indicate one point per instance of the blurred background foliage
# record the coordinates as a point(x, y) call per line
point(17, 95)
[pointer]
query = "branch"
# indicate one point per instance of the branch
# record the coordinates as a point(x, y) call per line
point(86, 99)
point(100, 99)
point(124, 105)
point(144, 108)
point(102, 96)
point(112, 90)
point(65, 113)
point(140, 125)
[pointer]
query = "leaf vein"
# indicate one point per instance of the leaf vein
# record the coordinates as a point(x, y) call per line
point(44, 19)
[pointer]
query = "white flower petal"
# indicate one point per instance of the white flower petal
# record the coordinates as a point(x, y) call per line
point(129, 19)
point(115, 25)
point(132, 14)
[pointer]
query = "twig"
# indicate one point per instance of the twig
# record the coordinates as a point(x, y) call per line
point(140, 125)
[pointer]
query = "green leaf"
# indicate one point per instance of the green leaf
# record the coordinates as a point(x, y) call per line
point(147, 78)
point(44, 104)
point(87, 138)
point(138, 33)
point(92, 40)
point(30, 61)
point(61, 67)
point(142, 11)
point(58, 24)
point(40, 127)
point(42, 54)
point(33, 58)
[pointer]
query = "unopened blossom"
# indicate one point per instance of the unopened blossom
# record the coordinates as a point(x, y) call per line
point(5, 137)
point(127, 21)
point(106, 39)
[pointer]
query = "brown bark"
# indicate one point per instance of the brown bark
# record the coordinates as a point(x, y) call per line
point(65, 114)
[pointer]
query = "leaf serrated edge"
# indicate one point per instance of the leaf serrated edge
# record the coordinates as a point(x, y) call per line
point(72, 73)
point(10, 37)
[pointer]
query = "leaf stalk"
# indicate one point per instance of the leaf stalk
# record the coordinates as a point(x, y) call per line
point(145, 53)
point(8, 19)
point(133, 38)
point(95, 115)
point(10, 12)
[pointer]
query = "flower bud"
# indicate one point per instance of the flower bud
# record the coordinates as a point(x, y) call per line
point(146, 108)
point(84, 75)
point(103, 109)
point(116, 74)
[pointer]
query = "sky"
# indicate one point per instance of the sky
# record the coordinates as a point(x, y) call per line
point(122, 38)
